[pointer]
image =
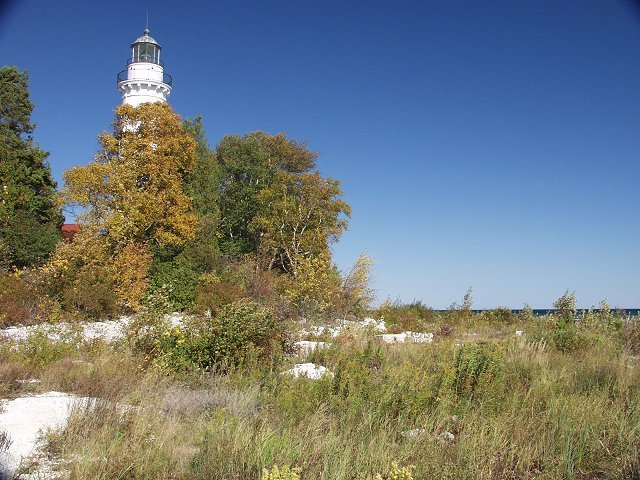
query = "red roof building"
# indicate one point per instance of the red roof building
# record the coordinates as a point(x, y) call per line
point(69, 231)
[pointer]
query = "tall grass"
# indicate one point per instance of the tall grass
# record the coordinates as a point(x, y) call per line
point(485, 406)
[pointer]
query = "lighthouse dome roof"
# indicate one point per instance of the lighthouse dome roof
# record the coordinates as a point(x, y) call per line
point(146, 38)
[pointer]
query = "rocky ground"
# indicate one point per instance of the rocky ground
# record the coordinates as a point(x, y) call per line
point(25, 421)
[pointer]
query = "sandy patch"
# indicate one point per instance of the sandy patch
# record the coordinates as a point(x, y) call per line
point(24, 420)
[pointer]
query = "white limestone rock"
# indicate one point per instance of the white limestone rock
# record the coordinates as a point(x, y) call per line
point(373, 324)
point(23, 420)
point(308, 370)
point(108, 330)
point(447, 437)
point(406, 337)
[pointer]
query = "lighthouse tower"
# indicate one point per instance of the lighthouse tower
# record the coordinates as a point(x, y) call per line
point(144, 79)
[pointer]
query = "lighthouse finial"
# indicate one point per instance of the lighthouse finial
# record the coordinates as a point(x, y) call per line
point(146, 28)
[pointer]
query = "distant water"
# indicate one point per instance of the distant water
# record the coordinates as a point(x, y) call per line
point(623, 312)
point(581, 312)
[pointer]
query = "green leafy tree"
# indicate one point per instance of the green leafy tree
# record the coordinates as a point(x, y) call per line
point(250, 164)
point(29, 218)
point(274, 204)
point(302, 215)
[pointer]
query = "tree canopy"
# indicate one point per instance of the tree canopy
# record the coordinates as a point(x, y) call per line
point(133, 190)
point(29, 218)
point(273, 203)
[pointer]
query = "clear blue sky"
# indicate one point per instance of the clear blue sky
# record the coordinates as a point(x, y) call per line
point(492, 144)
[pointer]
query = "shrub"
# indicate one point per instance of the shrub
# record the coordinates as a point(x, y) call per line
point(316, 286)
point(143, 331)
point(526, 314)
point(22, 300)
point(357, 293)
point(214, 291)
point(461, 313)
point(566, 306)
point(631, 335)
point(40, 350)
point(284, 473)
point(567, 337)
point(93, 293)
point(80, 275)
point(445, 330)
point(243, 330)
point(397, 473)
point(180, 275)
point(603, 322)
point(499, 316)
point(16, 301)
point(406, 316)
point(243, 327)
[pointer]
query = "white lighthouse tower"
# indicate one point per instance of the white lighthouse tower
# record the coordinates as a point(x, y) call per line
point(144, 79)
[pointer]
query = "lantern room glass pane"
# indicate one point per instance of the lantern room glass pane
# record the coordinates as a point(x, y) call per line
point(146, 52)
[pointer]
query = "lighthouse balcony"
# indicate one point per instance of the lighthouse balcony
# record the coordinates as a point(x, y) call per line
point(129, 74)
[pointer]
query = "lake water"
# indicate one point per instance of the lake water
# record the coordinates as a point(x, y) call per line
point(540, 312)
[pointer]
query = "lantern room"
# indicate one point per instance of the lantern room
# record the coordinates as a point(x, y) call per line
point(145, 49)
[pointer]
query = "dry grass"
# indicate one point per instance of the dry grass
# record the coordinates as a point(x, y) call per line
point(526, 411)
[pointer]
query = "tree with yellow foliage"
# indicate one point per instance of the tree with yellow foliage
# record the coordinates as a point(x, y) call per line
point(132, 191)
point(302, 215)
point(132, 200)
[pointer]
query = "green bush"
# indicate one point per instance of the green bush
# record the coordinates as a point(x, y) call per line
point(180, 275)
point(241, 327)
point(401, 317)
point(499, 316)
point(565, 337)
point(242, 331)
point(566, 306)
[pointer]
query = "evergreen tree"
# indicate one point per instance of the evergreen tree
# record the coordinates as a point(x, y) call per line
point(181, 268)
point(203, 186)
point(29, 219)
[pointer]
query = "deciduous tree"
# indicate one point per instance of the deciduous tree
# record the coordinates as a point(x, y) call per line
point(250, 164)
point(274, 204)
point(133, 190)
point(302, 215)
